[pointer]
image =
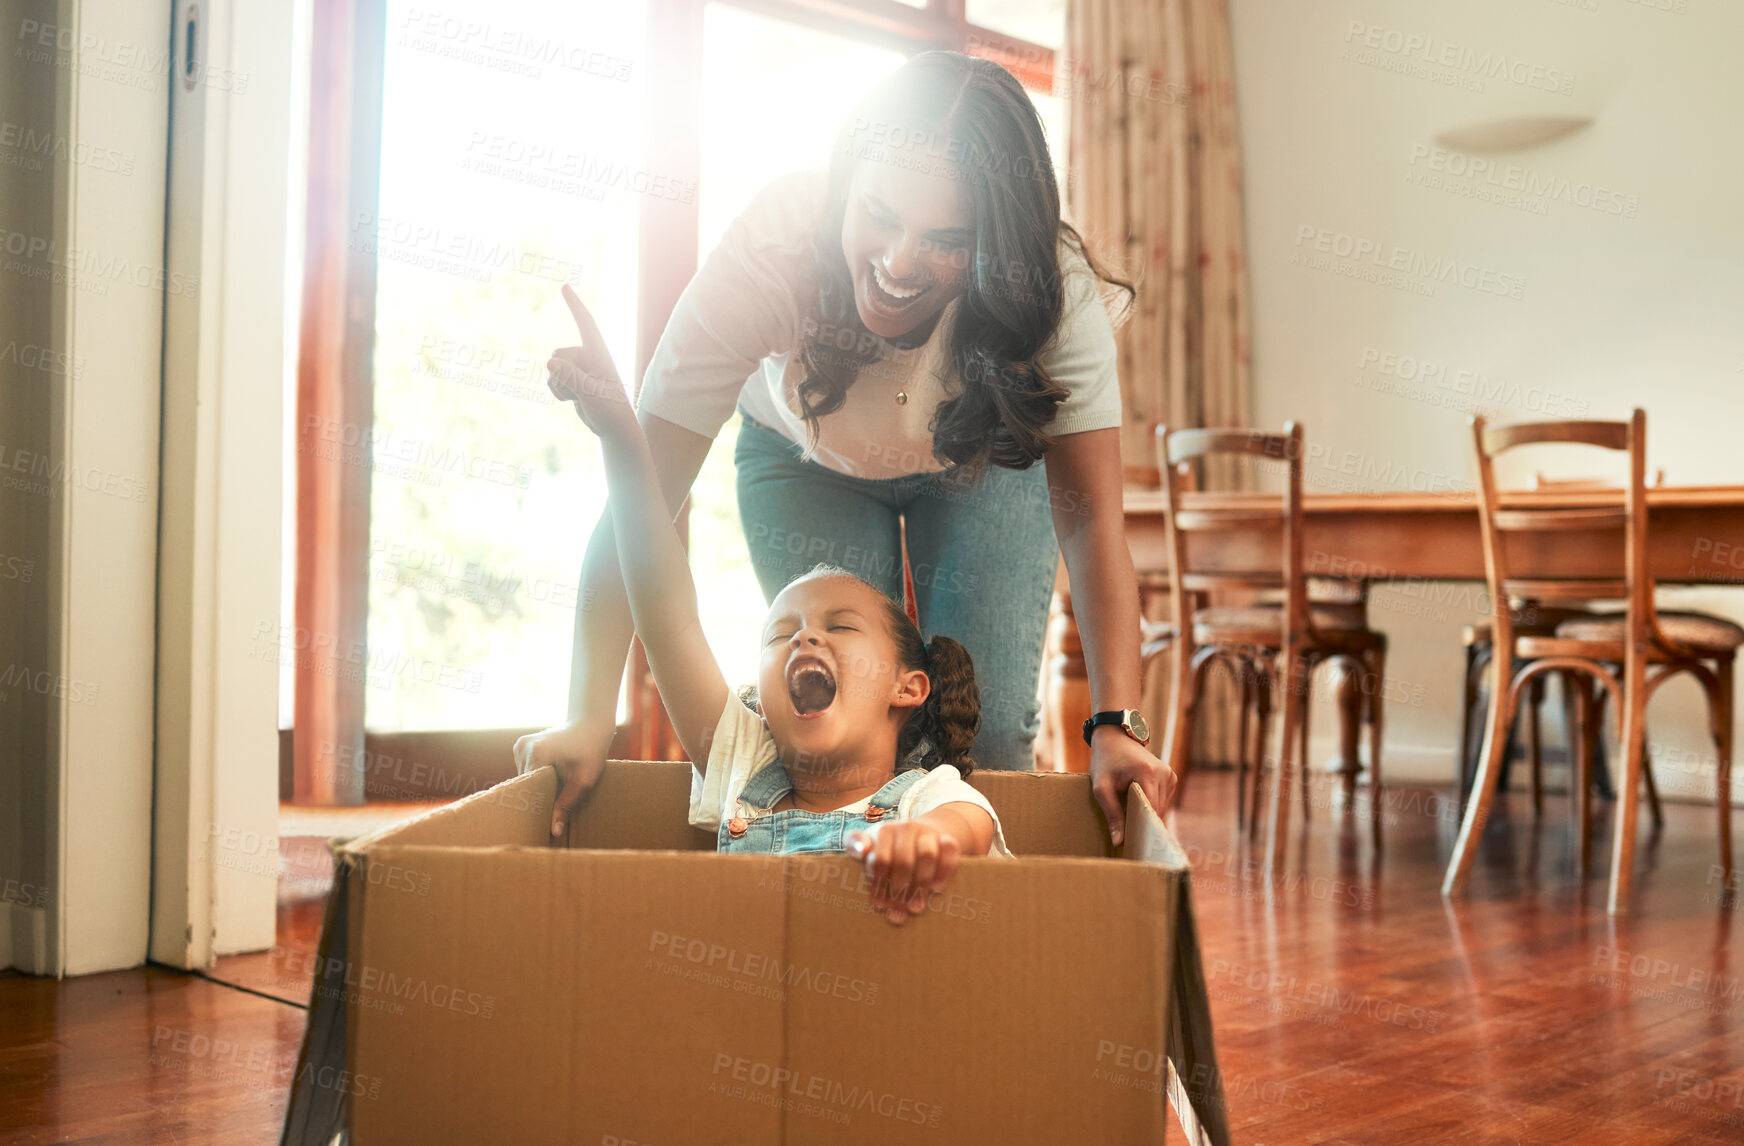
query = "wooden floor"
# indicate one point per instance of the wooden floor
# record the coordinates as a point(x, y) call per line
point(1351, 1004)
point(1360, 1007)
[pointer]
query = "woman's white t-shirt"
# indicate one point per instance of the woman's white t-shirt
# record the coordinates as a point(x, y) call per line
point(742, 747)
point(741, 322)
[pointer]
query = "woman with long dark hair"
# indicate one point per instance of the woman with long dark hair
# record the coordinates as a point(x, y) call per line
point(905, 334)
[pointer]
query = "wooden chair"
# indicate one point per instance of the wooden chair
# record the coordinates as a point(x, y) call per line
point(1347, 600)
point(1532, 618)
point(1156, 637)
point(1255, 684)
point(1635, 639)
point(1582, 485)
point(1279, 640)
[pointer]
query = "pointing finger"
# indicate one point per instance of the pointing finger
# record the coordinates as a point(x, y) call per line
point(590, 335)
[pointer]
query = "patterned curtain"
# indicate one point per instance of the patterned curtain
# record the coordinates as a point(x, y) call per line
point(1154, 181)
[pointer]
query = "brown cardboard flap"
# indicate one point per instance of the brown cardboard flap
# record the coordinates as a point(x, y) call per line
point(1195, 1085)
point(317, 1112)
point(639, 804)
point(517, 811)
point(1046, 813)
point(1148, 839)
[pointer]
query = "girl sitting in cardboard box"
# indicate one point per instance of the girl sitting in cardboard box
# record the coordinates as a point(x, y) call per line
point(866, 750)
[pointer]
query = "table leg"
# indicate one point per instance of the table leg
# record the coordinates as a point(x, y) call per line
point(1347, 684)
point(1068, 687)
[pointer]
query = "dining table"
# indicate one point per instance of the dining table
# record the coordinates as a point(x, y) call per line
point(1695, 537)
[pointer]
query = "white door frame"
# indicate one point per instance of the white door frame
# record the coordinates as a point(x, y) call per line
point(106, 316)
point(215, 851)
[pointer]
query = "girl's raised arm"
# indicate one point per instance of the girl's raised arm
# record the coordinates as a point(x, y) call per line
point(656, 571)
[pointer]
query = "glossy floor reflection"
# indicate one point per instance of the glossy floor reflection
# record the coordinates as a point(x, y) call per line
point(1352, 1004)
point(1355, 1005)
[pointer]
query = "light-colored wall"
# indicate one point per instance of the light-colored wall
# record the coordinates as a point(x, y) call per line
point(28, 375)
point(84, 124)
point(103, 583)
point(1629, 275)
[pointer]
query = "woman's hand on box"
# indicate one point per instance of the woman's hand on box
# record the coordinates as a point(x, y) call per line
point(1117, 762)
point(576, 752)
point(586, 375)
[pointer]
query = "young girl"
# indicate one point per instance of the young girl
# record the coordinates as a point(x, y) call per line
point(860, 736)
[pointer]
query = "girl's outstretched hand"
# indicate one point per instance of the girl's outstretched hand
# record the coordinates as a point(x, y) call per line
point(585, 375)
point(907, 861)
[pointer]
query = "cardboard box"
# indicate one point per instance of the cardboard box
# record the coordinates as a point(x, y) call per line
point(480, 983)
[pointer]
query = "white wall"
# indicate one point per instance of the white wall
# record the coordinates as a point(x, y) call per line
point(214, 875)
point(103, 560)
point(28, 379)
point(1640, 306)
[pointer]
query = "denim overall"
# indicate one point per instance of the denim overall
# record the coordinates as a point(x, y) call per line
point(762, 832)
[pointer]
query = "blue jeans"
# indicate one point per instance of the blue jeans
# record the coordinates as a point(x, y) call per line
point(983, 559)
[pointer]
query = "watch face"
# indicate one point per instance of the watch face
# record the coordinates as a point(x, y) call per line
point(1137, 723)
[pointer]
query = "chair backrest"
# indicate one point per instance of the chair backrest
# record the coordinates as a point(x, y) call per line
point(1148, 478)
point(1499, 521)
point(1588, 485)
point(1259, 516)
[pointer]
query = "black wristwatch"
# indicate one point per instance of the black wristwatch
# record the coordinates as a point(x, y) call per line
point(1129, 719)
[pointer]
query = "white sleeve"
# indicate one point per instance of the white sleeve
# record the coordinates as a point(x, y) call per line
point(945, 785)
point(742, 306)
point(741, 747)
point(1081, 356)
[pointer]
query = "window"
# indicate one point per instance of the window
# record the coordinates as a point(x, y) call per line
point(509, 166)
point(1041, 22)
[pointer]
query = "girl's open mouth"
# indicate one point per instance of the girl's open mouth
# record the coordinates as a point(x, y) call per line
point(890, 296)
point(810, 685)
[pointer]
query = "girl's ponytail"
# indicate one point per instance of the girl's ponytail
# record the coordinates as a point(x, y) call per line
point(951, 713)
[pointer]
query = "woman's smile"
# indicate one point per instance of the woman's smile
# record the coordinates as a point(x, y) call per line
point(891, 296)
